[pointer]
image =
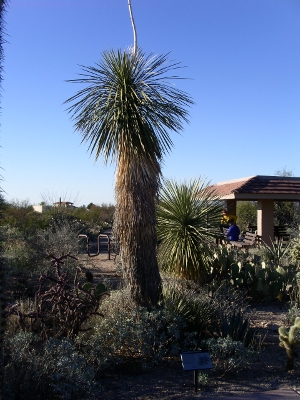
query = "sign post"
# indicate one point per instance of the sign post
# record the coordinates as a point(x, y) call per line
point(195, 361)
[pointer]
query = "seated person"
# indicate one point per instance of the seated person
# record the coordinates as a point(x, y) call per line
point(233, 231)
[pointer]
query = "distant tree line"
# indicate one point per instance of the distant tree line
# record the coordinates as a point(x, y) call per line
point(90, 220)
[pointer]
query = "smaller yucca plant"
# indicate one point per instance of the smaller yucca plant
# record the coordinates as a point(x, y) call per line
point(290, 340)
point(188, 219)
point(276, 251)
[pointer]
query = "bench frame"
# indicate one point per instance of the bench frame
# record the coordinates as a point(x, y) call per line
point(250, 240)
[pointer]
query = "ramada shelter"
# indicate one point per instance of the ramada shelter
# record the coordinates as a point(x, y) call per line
point(263, 189)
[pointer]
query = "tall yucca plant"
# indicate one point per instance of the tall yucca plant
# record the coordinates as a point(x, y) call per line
point(188, 218)
point(125, 113)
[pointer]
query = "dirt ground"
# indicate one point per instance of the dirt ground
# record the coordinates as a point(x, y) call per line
point(102, 267)
point(169, 381)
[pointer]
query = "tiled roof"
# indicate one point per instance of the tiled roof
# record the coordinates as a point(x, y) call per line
point(259, 185)
point(227, 187)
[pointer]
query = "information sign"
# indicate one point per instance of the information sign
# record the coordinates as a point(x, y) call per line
point(195, 360)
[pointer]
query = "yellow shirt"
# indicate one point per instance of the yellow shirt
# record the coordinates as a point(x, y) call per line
point(227, 217)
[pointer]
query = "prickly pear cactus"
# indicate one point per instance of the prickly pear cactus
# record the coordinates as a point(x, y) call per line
point(233, 272)
point(267, 284)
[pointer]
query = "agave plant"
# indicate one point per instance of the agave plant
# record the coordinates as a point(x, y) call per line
point(188, 218)
point(275, 251)
point(199, 311)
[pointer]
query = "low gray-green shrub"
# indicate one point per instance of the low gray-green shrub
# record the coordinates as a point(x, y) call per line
point(25, 259)
point(292, 313)
point(227, 355)
point(51, 370)
point(129, 334)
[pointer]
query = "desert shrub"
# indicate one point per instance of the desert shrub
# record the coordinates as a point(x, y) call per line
point(61, 216)
point(191, 302)
point(26, 256)
point(62, 305)
point(133, 335)
point(216, 310)
point(101, 215)
point(295, 251)
point(60, 238)
point(53, 370)
point(294, 291)
point(294, 298)
point(209, 311)
point(13, 325)
point(20, 215)
point(25, 249)
point(292, 313)
point(227, 355)
point(91, 220)
point(21, 252)
point(20, 259)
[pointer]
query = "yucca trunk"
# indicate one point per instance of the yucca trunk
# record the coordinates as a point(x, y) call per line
point(135, 227)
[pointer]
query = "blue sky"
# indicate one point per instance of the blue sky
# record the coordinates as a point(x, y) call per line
point(242, 59)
